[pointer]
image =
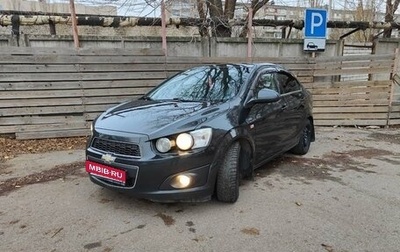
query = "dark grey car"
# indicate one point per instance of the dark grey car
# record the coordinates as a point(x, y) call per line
point(200, 131)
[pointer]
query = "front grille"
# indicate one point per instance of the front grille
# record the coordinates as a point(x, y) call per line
point(118, 148)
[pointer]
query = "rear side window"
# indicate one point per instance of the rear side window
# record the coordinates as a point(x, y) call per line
point(287, 83)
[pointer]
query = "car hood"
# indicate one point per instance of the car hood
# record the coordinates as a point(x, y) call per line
point(156, 118)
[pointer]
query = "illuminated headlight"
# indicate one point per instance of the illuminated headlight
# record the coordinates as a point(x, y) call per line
point(184, 141)
point(194, 139)
point(91, 128)
point(163, 145)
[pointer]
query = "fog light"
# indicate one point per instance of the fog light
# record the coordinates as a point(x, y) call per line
point(181, 181)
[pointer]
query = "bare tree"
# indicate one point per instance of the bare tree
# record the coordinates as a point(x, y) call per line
point(256, 5)
point(391, 7)
point(315, 3)
point(220, 15)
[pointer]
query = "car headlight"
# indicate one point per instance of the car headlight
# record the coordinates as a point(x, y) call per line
point(91, 128)
point(201, 137)
point(163, 145)
point(194, 139)
point(185, 141)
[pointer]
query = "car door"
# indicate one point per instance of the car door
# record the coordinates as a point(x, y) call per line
point(294, 112)
point(265, 119)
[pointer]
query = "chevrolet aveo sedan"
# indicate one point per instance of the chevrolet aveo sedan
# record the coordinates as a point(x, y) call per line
point(199, 132)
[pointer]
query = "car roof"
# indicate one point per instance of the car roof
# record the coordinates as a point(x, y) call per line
point(254, 65)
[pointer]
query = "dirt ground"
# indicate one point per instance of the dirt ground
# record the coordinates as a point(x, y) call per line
point(342, 196)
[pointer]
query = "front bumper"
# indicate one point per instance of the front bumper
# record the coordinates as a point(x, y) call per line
point(150, 176)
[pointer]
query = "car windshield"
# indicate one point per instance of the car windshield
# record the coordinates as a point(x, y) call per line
point(207, 83)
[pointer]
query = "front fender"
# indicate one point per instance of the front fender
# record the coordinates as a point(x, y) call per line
point(242, 135)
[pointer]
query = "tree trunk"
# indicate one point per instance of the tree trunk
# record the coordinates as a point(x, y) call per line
point(201, 4)
point(255, 5)
point(389, 16)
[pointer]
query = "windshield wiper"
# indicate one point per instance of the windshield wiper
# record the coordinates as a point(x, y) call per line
point(182, 100)
point(146, 98)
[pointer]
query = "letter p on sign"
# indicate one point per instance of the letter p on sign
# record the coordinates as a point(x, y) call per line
point(315, 23)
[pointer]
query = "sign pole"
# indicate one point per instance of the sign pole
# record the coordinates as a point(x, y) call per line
point(163, 28)
point(250, 34)
point(74, 23)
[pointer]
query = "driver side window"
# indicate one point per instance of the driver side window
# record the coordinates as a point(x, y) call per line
point(266, 80)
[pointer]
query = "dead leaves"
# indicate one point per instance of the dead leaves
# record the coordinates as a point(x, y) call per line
point(251, 231)
point(9, 148)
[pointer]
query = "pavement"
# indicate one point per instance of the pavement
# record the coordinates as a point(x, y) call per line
point(342, 196)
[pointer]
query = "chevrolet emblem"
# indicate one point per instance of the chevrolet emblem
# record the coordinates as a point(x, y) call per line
point(108, 158)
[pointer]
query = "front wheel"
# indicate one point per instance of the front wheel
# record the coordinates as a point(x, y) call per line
point(228, 175)
point(305, 140)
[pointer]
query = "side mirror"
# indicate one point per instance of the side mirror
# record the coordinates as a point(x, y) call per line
point(265, 95)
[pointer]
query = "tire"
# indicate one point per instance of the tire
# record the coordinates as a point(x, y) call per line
point(305, 140)
point(228, 175)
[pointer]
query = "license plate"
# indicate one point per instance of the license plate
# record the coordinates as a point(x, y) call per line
point(105, 171)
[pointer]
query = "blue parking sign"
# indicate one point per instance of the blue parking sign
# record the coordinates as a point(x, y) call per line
point(315, 23)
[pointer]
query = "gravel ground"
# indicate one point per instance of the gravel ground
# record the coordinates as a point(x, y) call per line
point(342, 196)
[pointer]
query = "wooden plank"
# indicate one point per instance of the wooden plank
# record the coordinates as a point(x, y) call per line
point(350, 97)
point(53, 126)
point(92, 115)
point(99, 107)
point(150, 83)
point(394, 115)
point(353, 109)
point(109, 99)
point(9, 129)
point(30, 94)
point(81, 76)
point(389, 57)
point(43, 110)
point(309, 79)
point(303, 73)
point(356, 71)
point(351, 116)
point(70, 93)
point(155, 67)
point(350, 90)
point(380, 102)
point(87, 84)
point(352, 83)
point(47, 127)
point(284, 60)
point(52, 134)
point(116, 91)
point(44, 68)
point(40, 85)
point(349, 122)
point(23, 120)
point(394, 122)
point(12, 103)
point(354, 64)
